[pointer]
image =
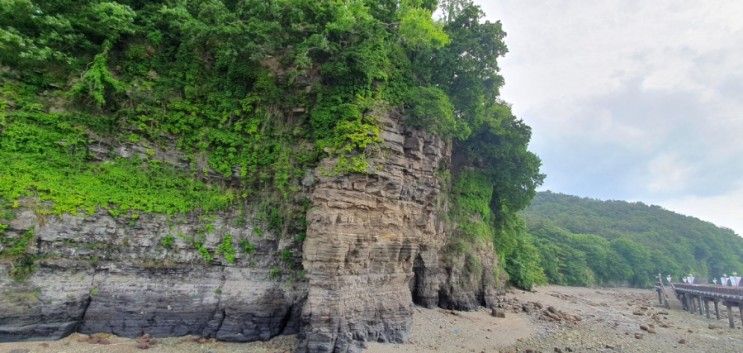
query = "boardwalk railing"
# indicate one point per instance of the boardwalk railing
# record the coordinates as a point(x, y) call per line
point(696, 297)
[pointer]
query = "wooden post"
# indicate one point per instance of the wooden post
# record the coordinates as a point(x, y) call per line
point(717, 310)
point(730, 315)
point(740, 308)
point(692, 308)
point(660, 299)
point(706, 307)
point(699, 299)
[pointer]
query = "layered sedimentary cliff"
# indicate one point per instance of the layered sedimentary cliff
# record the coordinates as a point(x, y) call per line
point(364, 234)
point(376, 244)
point(101, 274)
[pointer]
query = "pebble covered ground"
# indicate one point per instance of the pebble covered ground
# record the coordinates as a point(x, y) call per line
point(624, 320)
point(550, 319)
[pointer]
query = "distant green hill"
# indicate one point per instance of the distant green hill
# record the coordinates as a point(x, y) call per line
point(586, 241)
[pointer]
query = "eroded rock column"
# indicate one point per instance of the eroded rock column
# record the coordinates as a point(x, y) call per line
point(363, 238)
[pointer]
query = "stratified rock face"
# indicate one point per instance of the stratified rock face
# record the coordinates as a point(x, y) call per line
point(376, 244)
point(101, 274)
point(364, 235)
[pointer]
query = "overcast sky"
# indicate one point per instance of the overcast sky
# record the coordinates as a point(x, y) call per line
point(632, 100)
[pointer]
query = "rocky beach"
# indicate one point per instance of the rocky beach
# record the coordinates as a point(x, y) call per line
point(548, 319)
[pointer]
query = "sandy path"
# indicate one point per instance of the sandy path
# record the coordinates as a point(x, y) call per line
point(76, 343)
point(446, 331)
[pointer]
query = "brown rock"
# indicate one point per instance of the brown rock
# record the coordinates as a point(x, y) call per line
point(498, 313)
point(682, 341)
point(367, 233)
point(638, 336)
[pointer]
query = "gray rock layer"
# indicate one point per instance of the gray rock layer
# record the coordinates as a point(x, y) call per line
point(100, 274)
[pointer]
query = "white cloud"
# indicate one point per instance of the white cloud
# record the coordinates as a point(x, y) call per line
point(668, 173)
point(631, 99)
point(722, 210)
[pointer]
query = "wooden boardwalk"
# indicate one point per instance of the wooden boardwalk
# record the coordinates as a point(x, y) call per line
point(696, 298)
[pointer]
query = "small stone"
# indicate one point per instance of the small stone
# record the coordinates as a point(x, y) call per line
point(643, 327)
point(714, 326)
point(498, 313)
point(608, 346)
point(638, 336)
point(558, 350)
point(682, 341)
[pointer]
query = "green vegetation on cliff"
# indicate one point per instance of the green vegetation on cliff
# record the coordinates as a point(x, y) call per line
point(585, 242)
point(252, 94)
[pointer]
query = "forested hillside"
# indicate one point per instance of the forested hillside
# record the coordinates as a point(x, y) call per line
point(585, 242)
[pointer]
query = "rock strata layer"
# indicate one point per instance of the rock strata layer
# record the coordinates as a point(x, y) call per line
point(101, 274)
